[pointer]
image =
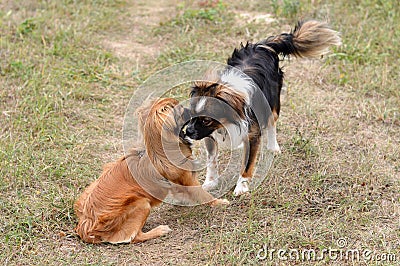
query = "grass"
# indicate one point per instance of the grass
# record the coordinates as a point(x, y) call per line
point(65, 84)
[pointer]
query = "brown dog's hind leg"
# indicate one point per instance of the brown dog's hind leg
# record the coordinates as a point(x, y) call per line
point(143, 212)
point(131, 229)
point(153, 233)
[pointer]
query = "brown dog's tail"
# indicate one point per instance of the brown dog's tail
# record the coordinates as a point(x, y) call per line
point(83, 229)
point(85, 224)
point(308, 39)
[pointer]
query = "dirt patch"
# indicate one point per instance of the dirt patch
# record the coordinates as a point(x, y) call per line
point(136, 42)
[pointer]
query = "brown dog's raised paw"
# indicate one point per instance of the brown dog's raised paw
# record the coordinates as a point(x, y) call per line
point(163, 229)
point(219, 202)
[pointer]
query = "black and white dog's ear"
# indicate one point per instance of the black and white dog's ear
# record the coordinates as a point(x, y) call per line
point(206, 86)
point(234, 98)
point(203, 88)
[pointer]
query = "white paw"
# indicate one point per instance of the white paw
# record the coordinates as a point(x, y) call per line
point(242, 186)
point(164, 229)
point(274, 147)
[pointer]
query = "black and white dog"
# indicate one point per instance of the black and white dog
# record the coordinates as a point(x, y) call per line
point(253, 68)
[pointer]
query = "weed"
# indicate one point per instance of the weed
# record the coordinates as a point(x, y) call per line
point(28, 26)
point(288, 8)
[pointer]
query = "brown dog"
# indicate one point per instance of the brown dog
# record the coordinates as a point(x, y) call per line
point(115, 207)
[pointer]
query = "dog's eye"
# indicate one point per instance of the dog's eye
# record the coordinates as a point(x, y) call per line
point(207, 121)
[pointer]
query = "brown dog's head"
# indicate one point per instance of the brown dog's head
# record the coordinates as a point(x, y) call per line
point(163, 120)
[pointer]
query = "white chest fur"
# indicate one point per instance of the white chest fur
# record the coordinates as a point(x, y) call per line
point(231, 136)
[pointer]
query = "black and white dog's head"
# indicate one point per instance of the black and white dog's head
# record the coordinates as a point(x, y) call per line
point(218, 104)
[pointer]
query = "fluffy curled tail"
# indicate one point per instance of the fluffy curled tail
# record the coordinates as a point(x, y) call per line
point(83, 229)
point(308, 39)
point(85, 224)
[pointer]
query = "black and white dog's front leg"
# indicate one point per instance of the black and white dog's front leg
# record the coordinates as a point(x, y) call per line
point(212, 164)
point(249, 161)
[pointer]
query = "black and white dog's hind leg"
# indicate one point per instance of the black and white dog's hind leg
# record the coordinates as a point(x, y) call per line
point(272, 143)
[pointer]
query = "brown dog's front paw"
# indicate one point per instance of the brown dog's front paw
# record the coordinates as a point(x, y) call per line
point(219, 202)
point(163, 229)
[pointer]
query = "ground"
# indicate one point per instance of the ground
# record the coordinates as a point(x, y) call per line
point(69, 69)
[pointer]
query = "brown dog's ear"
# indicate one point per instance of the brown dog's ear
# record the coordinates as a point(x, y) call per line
point(142, 113)
point(165, 106)
point(165, 109)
